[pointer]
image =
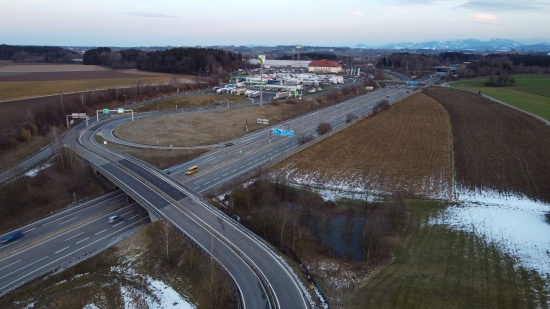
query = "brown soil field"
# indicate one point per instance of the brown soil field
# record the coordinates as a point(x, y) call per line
point(203, 128)
point(70, 75)
point(497, 147)
point(406, 149)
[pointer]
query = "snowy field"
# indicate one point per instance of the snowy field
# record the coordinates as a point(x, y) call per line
point(517, 225)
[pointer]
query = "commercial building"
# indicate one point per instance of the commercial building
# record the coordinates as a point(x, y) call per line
point(324, 66)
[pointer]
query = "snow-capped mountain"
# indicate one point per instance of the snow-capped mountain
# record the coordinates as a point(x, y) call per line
point(467, 44)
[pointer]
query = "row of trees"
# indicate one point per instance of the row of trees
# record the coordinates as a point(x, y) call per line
point(191, 61)
point(51, 54)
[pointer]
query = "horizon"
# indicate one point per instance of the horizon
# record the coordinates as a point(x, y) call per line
point(344, 23)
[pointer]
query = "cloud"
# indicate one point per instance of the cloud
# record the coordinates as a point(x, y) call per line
point(505, 5)
point(150, 15)
point(484, 18)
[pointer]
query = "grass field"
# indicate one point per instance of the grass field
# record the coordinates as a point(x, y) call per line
point(207, 127)
point(192, 101)
point(436, 267)
point(530, 92)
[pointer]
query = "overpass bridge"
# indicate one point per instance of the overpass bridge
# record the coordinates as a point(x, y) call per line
point(261, 277)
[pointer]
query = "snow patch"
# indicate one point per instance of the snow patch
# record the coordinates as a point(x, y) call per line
point(516, 224)
point(35, 171)
point(158, 294)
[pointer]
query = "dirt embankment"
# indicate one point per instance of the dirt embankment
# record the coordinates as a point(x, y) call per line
point(406, 149)
point(497, 147)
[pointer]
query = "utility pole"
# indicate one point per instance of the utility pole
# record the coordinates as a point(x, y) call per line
point(261, 61)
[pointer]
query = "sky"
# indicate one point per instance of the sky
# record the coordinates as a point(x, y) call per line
point(131, 23)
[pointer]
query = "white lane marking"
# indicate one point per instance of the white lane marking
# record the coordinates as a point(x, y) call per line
point(30, 230)
point(225, 169)
point(82, 240)
point(68, 220)
point(74, 236)
point(100, 232)
point(225, 174)
point(216, 178)
point(206, 183)
point(10, 264)
point(56, 252)
point(24, 267)
point(233, 171)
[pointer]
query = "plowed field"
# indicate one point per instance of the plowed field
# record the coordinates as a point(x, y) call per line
point(497, 147)
point(406, 149)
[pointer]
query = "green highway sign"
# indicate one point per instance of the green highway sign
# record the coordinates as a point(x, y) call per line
point(105, 110)
point(120, 110)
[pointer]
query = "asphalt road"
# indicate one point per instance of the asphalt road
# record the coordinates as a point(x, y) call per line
point(65, 238)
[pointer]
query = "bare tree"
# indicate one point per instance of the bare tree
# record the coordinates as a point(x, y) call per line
point(323, 128)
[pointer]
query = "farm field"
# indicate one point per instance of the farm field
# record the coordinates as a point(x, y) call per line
point(30, 80)
point(381, 154)
point(530, 92)
point(439, 267)
point(496, 147)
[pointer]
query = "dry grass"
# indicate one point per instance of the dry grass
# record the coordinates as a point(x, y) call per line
point(14, 90)
point(406, 149)
point(203, 128)
point(160, 158)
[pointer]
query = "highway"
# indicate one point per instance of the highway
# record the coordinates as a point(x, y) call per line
point(261, 278)
point(65, 238)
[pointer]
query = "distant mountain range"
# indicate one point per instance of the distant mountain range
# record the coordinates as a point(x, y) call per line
point(467, 44)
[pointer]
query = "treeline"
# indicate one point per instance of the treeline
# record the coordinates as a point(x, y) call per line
point(50, 54)
point(189, 60)
point(469, 64)
point(300, 223)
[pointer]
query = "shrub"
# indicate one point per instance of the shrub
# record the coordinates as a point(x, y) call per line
point(323, 128)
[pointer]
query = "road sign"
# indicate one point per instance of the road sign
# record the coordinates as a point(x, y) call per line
point(282, 132)
point(105, 110)
point(121, 110)
point(262, 121)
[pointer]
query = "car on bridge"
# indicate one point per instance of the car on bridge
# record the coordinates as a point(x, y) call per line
point(192, 170)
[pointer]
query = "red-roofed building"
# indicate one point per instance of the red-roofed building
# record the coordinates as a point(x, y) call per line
point(324, 66)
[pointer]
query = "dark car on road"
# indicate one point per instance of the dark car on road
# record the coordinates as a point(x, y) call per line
point(11, 237)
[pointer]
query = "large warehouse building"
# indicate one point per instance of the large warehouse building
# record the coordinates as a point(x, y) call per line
point(324, 66)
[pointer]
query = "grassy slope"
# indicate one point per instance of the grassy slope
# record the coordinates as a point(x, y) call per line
point(436, 267)
point(383, 150)
point(530, 93)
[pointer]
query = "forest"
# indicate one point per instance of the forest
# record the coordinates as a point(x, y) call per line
point(188, 60)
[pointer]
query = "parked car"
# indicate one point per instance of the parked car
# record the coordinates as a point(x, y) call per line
point(11, 237)
point(114, 219)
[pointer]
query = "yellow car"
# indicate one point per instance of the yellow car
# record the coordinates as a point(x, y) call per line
point(192, 170)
